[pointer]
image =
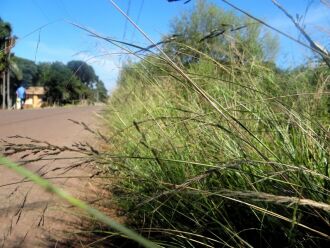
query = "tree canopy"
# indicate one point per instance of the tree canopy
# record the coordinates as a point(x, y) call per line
point(101, 91)
point(75, 80)
point(83, 71)
point(28, 69)
point(62, 83)
point(220, 34)
point(5, 32)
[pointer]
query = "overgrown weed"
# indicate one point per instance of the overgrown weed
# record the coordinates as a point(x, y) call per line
point(221, 151)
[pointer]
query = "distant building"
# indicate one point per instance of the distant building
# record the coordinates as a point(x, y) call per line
point(34, 97)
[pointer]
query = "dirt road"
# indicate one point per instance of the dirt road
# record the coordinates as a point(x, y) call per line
point(30, 217)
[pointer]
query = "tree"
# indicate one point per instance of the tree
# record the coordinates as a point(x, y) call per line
point(73, 81)
point(7, 41)
point(5, 32)
point(220, 34)
point(83, 71)
point(100, 91)
point(61, 84)
point(28, 69)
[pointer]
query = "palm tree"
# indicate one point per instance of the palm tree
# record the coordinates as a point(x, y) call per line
point(6, 64)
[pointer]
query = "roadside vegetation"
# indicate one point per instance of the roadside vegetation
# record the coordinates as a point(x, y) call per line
point(227, 150)
point(208, 143)
point(64, 83)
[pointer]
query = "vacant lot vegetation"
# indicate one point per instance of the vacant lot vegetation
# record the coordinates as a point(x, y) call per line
point(225, 149)
point(209, 143)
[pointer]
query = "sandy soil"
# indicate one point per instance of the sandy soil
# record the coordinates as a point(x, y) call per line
point(29, 216)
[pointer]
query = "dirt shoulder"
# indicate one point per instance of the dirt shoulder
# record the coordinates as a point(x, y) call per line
point(29, 216)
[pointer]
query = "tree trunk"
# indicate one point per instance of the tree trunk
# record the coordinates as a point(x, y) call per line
point(8, 82)
point(3, 90)
point(8, 89)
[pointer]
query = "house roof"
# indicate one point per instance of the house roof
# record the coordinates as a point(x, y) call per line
point(35, 91)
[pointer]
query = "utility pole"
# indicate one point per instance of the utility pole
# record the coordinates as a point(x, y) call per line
point(9, 43)
point(8, 81)
point(97, 92)
point(4, 81)
point(3, 91)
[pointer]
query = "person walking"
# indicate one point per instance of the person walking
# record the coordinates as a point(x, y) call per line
point(21, 95)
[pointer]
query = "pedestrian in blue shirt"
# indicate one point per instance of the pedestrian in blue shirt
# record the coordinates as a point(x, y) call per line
point(21, 95)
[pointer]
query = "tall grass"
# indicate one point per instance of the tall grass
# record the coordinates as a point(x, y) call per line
point(221, 154)
point(231, 153)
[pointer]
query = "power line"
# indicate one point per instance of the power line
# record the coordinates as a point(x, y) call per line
point(138, 18)
point(62, 7)
point(41, 10)
point(35, 55)
point(140, 10)
point(127, 13)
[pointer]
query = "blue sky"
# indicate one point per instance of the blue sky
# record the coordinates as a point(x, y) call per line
point(61, 41)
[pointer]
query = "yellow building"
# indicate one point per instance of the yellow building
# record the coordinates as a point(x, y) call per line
point(34, 97)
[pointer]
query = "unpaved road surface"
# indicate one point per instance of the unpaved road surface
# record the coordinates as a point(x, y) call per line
point(29, 216)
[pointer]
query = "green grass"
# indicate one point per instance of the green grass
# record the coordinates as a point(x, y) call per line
point(222, 155)
point(216, 153)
